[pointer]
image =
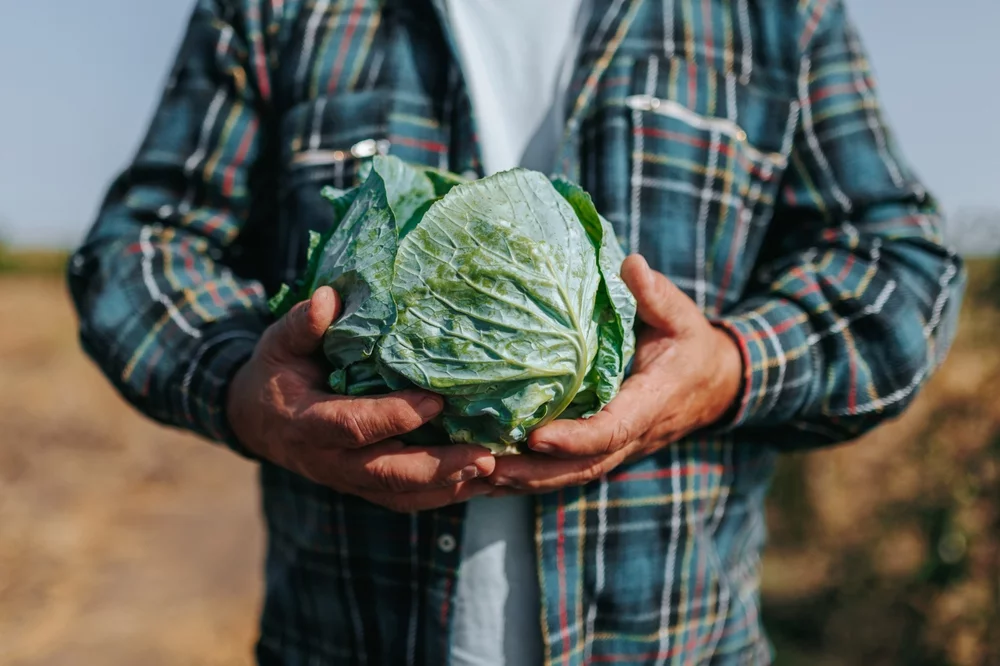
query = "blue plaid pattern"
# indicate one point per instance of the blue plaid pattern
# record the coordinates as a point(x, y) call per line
point(738, 145)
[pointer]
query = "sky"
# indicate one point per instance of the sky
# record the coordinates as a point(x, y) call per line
point(79, 80)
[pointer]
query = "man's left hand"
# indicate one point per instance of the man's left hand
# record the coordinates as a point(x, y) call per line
point(686, 375)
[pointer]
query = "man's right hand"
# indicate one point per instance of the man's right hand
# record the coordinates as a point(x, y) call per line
point(277, 407)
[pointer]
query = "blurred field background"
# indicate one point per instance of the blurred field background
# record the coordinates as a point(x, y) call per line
point(124, 543)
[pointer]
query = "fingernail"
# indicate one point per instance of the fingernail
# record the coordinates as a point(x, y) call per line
point(501, 481)
point(542, 447)
point(470, 472)
point(428, 407)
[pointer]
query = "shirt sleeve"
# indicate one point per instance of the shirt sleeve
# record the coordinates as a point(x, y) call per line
point(855, 300)
point(160, 312)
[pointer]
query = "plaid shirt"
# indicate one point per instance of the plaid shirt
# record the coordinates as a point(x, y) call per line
point(738, 145)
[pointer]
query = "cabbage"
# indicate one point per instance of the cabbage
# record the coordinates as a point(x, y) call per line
point(502, 295)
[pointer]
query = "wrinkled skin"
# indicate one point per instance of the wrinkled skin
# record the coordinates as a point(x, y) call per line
point(279, 409)
point(686, 375)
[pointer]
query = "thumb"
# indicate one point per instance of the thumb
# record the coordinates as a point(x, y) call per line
point(300, 331)
point(659, 302)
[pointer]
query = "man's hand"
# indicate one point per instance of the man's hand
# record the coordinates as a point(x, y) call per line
point(685, 376)
point(279, 410)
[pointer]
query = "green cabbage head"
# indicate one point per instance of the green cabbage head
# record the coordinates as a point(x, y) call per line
point(502, 295)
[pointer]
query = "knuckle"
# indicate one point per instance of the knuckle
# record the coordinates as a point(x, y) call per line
point(387, 477)
point(355, 429)
point(401, 416)
point(406, 421)
point(620, 436)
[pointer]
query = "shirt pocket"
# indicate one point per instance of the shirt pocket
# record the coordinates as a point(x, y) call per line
point(704, 154)
point(323, 142)
point(327, 140)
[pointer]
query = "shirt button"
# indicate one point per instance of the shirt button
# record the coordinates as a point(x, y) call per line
point(164, 212)
point(446, 543)
point(469, 174)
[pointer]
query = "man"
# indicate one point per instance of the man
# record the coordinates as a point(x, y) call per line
point(800, 297)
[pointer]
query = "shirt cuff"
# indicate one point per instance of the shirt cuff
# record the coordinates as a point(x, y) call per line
point(203, 390)
point(778, 364)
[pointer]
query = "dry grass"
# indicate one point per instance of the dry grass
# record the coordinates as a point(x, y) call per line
point(121, 542)
point(125, 543)
point(887, 551)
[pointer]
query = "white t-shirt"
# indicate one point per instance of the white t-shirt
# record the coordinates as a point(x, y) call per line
point(517, 58)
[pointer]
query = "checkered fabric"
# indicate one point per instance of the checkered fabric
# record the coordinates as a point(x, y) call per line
point(738, 145)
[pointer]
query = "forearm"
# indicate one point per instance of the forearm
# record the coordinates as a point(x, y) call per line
point(165, 323)
point(159, 312)
point(857, 297)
